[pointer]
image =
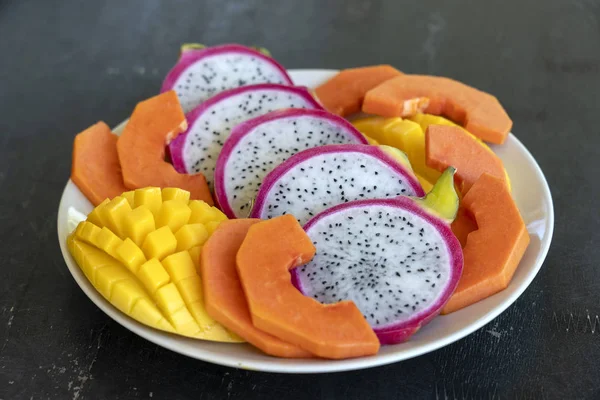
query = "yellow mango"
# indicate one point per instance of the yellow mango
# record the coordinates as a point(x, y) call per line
point(95, 216)
point(113, 215)
point(195, 253)
point(212, 226)
point(147, 313)
point(184, 322)
point(179, 266)
point(202, 213)
point(111, 248)
point(88, 232)
point(130, 255)
point(150, 197)
point(107, 276)
point(191, 235)
point(130, 197)
point(125, 294)
point(153, 275)
point(139, 223)
point(174, 214)
point(175, 194)
point(108, 241)
point(160, 243)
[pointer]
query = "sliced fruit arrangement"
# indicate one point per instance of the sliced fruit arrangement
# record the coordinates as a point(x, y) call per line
point(316, 179)
point(396, 259)
point(257, 146)
point(377, 258)
point(140, 251)
point(197, 149)
point(203, 72)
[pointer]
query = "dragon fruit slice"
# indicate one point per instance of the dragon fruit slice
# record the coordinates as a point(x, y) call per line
point(397, 259)
point(202, 73)
point(257, 146)
point(196, 150)
point(316, 179)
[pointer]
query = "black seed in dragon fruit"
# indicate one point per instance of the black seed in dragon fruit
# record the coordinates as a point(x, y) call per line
point(319, 178)
point(396, 259)
point(257, 146)
point(209, 125)
point(202, 73)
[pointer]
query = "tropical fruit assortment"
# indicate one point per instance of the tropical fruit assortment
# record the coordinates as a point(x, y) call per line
point(236, 206)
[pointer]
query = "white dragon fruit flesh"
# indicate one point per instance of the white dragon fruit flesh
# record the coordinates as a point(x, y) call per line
point(257, 146)
point(318, 178)
point(396, 259)
point(209, 125)
point(201, 73)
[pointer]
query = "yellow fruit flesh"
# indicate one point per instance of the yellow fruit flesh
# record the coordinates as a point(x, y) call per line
point(149, 270)
point(408, 135)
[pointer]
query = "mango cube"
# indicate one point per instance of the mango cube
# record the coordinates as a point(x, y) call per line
point(201, 212)
point(212, 226)
point(191, 235)
point(153, 275)
point(139, 223)
point(190, 289)
point(195, 253)
point(95, 216)
point(160, 243)
point(150, 197)
point(184, 323)
point(179, 266)
point(88, 232)
point(113, 215)
point(173, 214)
point(108, 241)
point(125, 294)
point(175, 194)
point(131, 255)
point(169, 299)
point(147, 313)
point(107, 276)
point(130, 197)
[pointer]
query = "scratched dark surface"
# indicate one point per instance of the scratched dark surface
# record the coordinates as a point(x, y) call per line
point(66, 64)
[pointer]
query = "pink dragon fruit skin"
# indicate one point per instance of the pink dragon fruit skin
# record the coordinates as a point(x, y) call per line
point(278, 135)
point(201, 73)
point(221, 113)
point(338, 177)
point(436, 235)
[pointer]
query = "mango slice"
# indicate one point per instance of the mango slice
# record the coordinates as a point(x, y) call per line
point(141, 251)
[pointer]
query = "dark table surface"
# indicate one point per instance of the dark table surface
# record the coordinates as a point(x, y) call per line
point(66, 64)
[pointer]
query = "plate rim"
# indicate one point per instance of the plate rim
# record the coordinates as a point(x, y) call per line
point(277, 365)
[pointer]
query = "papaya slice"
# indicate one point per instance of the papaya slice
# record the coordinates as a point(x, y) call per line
point(479, 112)
point(453, 146)
point(223, 294)
point(95, 168)
point(492, 252)
point(141, 147)
point(344, 93)
point(463, 224)
point(273, 247)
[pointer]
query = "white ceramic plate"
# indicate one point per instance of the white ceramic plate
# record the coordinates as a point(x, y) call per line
point(533, 198)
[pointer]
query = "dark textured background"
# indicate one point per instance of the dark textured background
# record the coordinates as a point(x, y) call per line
point(66, 64)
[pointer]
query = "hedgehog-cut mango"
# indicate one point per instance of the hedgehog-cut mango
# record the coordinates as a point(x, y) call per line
point(141, 252)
